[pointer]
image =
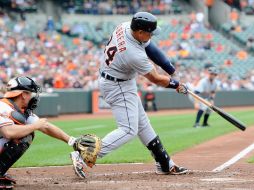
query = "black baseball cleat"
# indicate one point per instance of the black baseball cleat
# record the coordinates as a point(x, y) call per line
point(174, 170)
point(205, 125)
point(6, 182)
point(177, 170)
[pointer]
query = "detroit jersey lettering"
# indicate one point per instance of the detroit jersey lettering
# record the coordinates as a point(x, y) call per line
point(124, 56)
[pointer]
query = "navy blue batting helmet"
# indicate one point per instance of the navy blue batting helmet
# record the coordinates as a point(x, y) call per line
point(145, 21)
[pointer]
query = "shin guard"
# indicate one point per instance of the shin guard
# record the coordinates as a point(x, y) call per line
point(159, 153)
point(12, 151)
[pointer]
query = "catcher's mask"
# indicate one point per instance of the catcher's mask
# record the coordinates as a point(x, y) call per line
point(19, 84)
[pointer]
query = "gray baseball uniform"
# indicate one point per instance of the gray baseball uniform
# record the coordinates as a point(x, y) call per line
point(124, 58)
point(205, 87)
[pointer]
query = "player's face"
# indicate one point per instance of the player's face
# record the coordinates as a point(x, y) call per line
point(26, 98)
point(212, 76)
point(144, 36)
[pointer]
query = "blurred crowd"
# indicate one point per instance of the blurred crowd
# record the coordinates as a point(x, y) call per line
point(247, 6)
point(120, 6)
point(46, 59)
point(191, 75)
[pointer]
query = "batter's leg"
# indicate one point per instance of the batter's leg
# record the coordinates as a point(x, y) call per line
point(150, 139)
point(125, 111)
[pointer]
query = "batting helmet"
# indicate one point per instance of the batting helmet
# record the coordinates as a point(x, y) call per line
point(19, 84)
point(212, 70)
point(145, 21)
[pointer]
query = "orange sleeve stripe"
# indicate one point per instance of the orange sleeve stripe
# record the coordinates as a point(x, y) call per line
point(6, 124)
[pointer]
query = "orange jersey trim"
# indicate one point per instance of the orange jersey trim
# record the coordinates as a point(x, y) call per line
point(6, 124)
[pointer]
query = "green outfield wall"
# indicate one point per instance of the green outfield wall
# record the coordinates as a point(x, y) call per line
point(80, 101)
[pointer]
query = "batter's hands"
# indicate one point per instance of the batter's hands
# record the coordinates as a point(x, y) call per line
point(182, 89)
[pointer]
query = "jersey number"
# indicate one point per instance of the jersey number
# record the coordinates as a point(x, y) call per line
point(111, 51)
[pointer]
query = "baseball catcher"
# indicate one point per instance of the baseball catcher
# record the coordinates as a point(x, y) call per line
point(18, 124)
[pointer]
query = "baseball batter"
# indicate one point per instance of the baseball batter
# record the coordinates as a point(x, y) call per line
point(206, 88)
point(126, 55)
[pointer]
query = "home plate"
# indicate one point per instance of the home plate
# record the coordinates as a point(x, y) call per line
point(224, 180)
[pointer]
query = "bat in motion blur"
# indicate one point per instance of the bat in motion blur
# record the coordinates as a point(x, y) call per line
point(222, 113)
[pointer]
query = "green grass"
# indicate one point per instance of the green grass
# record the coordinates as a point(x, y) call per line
point(175, 131)
point(251, 160)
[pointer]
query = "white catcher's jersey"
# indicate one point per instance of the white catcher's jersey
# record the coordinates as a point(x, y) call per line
point(206, 87)
point(124, 56)
point(5, 111)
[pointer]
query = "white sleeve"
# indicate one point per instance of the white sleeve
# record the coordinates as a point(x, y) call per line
point(32, 119)
point(200, 86)
point(140, 63)
point(5, 120)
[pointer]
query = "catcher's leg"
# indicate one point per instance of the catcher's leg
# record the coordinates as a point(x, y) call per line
point(6, 182)
point(79, 166)
point(12, 151)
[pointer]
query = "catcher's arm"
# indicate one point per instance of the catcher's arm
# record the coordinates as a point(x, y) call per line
point(55, 132)
point(50, 129)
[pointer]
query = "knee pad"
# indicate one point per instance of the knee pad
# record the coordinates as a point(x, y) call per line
point(159, 153)
point(12, 151)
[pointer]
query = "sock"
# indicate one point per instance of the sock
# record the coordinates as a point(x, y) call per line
point(199, 114)
point(206, 116)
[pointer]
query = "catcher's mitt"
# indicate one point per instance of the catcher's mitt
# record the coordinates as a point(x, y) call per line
point(88, 146)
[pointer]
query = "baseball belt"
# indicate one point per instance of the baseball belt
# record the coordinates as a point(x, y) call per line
point(109, 77)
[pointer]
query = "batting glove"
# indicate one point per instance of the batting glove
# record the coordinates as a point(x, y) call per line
point(182, 89)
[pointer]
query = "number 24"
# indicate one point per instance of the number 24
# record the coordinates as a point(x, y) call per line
point(110, 51)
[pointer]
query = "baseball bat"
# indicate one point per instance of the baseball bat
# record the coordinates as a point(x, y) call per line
point(219, 111)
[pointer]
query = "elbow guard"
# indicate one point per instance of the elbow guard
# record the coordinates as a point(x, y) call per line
point(159, 58)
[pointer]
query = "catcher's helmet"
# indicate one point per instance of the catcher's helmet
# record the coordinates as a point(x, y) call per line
point(145, 21)
point(19, 84)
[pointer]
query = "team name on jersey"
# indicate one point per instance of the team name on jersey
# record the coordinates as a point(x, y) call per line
point(121, 44)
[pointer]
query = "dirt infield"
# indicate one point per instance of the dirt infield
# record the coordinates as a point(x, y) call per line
point(202, 159)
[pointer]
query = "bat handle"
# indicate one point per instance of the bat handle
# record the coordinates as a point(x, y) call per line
point(199, 98)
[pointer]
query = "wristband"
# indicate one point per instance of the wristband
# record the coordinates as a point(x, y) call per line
point(173, 84)
point(71, 141)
